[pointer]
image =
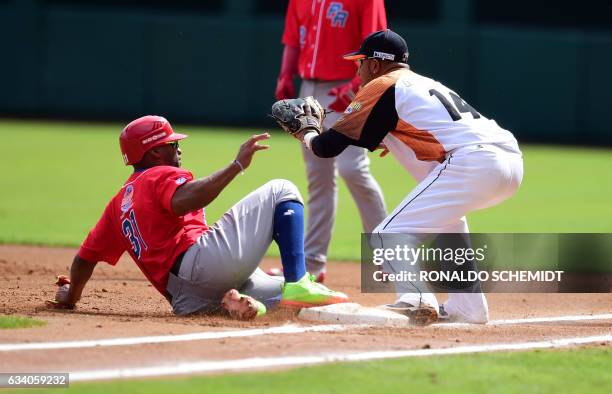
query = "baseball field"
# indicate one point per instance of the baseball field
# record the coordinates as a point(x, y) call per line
point(57, 177)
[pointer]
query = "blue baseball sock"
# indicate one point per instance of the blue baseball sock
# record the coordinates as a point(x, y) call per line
point(288, 232)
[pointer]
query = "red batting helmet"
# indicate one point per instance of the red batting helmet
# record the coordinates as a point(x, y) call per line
point(143, 134)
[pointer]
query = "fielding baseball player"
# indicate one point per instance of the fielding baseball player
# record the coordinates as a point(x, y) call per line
point(317, 34)
point(462, 160)
point(158, 218)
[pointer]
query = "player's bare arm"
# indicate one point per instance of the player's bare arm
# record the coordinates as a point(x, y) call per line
point(80, 272)
point(70, 290)
point(201, 192)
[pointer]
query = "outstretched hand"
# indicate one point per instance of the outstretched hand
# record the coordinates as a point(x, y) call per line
point(249, 147)
point(61, 296)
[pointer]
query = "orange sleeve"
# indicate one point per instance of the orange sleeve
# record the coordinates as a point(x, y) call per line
point(353, 120)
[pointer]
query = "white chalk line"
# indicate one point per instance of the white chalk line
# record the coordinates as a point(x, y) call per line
point(198, 336)
point(288, 329)
point(531, 320)
point(275, 362)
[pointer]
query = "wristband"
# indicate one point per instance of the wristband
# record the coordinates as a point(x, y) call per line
point(308, 139)
point(239, 166)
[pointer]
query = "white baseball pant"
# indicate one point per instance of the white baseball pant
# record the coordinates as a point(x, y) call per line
point(471, 178)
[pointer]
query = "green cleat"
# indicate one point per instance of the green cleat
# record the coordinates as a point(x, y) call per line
point(261, 309)
point(307, 292)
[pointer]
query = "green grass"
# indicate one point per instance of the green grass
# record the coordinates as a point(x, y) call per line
point(567, 371)
point(8, 322)
point(57, 178)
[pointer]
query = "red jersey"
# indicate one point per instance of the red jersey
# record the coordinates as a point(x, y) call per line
point(325, 30)
point(139, 219)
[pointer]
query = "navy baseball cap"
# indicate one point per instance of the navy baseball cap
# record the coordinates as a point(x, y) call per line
point(383, 44)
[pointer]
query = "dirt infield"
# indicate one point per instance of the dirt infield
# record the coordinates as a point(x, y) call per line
point(119, 302)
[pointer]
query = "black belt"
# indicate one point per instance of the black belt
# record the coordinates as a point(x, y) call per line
point(176, 267)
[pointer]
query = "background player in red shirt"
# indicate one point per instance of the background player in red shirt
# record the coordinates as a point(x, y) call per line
point(317, 34)
point(158, 218)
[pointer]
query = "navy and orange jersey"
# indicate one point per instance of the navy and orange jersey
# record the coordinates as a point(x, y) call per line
point(326, 30)
point(139, 219)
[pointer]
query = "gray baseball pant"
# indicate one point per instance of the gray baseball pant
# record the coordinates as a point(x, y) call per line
point(354, 167)
point(228, 254)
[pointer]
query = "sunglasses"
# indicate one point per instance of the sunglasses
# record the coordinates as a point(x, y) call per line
point(173, 144)
point(364, 58)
